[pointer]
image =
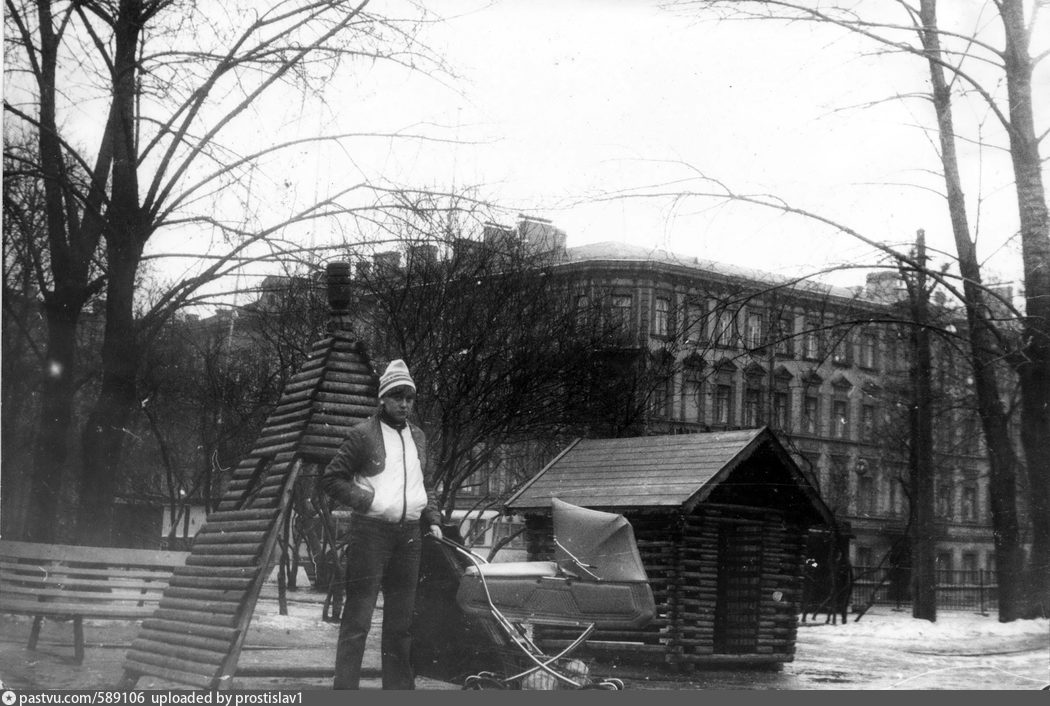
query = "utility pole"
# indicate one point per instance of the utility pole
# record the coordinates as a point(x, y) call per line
point(924, 575)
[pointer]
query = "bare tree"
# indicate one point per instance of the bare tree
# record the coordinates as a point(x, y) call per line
point(958, 64)
point(181, 84)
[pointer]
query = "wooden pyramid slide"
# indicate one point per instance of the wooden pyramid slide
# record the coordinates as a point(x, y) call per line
point(196, 634)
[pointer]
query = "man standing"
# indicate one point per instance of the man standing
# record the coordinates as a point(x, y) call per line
point(380, 473)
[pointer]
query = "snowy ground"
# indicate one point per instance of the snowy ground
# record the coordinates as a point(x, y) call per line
point(884, 650)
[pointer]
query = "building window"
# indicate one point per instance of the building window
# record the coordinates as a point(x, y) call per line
point(838, 482)
point(944, 501)
point(723, 404)
point(840, 419)
point(693, 325)
point(866, 496)
point(663, 313)
point(753, 407)
point(864, 557)
point(867, 422)
point(811, 341)
point(969, 503)
point(944, 564)
point(660, 399)
point(969, 567)
point(810, 414)
point(755, 330)
point(724, 333)
point(583, 311)
point(472, 486)
point(692, 400)
point(782, 410)
point(621, 312)
point(867, 346)
point(971, 436)
point(840, 354)
point(784, 344)
point(898, 500)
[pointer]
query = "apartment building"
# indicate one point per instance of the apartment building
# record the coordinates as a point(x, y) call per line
point(824, 366)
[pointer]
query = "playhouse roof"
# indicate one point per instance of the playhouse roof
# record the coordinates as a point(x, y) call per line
point(669, 471)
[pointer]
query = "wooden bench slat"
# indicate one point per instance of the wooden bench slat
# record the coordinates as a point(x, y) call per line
point(101, 555)
point(114, 565)
point(64, 608)
point(40, 593)
point(45, 576)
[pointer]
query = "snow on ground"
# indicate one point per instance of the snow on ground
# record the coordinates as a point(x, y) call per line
point(954, 627)
point(885, 649)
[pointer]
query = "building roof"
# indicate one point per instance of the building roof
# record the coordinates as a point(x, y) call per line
point(625, 252)
point(679, 470)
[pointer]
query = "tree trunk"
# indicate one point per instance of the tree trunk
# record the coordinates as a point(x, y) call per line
point(56, 416)
point(104, 433)
point(923, 532)
point(1034, 369)
point(983, 351)
point(125, 236)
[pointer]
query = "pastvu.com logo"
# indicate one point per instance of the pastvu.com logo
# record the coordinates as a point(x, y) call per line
point(8, 697)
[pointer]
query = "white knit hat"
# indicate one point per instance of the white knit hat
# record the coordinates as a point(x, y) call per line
point(396, 375)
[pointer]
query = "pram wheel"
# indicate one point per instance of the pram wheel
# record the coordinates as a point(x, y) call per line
point(484, 680)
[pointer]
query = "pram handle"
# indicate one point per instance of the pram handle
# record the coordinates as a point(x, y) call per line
point(474, 558)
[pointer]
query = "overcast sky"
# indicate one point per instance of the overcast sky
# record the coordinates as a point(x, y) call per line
point(560, 101)
point(555, 103)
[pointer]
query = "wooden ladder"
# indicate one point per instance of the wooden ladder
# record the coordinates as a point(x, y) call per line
point(196, 634)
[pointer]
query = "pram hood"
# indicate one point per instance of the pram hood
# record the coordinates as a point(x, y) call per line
point(602, 540)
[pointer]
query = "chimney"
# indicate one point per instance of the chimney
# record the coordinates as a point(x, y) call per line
point(497, 235)
point(541, 236)
point(422, 255)
point(387, 261)
point(339, 295)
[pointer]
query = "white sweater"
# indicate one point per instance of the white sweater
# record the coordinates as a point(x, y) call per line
point(399, 491)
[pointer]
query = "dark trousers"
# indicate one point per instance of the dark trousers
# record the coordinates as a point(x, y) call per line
point(379, 556)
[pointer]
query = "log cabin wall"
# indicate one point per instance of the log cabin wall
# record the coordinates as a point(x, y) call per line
point(726, 580)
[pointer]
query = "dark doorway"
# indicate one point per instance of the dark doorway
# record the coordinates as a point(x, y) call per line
point(739, 586)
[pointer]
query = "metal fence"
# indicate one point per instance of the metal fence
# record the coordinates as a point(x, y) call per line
point(963, 590)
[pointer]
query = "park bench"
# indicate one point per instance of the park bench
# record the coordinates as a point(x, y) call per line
point(65, 582)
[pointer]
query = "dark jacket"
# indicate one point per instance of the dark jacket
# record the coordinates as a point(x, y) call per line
point(363, 454)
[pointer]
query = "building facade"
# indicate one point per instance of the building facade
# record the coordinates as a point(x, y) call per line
point(824, 367)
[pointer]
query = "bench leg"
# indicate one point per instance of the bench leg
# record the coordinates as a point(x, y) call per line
point(34, 634)
point(78, 638)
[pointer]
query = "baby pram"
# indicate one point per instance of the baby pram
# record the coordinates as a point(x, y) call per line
point(596, 581)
